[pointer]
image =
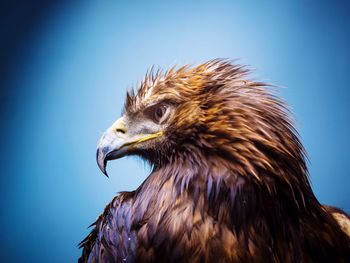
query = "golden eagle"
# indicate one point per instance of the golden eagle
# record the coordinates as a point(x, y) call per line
point(229, 181)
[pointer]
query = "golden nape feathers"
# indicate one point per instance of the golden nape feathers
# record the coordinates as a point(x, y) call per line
point(229, 181)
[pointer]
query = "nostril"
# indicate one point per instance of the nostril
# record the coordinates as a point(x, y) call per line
point(121, 131)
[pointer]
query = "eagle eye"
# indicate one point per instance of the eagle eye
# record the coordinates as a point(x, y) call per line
point(159, 112)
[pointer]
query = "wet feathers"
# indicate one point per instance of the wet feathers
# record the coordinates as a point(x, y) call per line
point(228, 184)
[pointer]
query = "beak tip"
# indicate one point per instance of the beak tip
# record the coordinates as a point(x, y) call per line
point(101, 161)
point(104, 171)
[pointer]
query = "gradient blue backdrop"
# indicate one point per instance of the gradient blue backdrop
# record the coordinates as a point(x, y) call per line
point(66, 70)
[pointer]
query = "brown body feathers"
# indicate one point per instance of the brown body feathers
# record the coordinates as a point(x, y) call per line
point(229, 181)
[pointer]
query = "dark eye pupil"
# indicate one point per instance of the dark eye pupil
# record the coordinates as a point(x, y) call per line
point(159, 112)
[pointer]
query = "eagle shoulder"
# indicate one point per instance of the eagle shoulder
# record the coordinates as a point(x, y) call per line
point(342, 218)
point(111, 238)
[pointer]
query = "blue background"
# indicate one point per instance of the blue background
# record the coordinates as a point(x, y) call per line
point(64, 71)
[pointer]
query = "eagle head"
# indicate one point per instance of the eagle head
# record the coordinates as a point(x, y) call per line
point(213, 109)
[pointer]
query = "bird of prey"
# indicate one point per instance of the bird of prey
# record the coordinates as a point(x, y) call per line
point(229, 180)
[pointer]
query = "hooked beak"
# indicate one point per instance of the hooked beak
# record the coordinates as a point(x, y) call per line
point(117, 142)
